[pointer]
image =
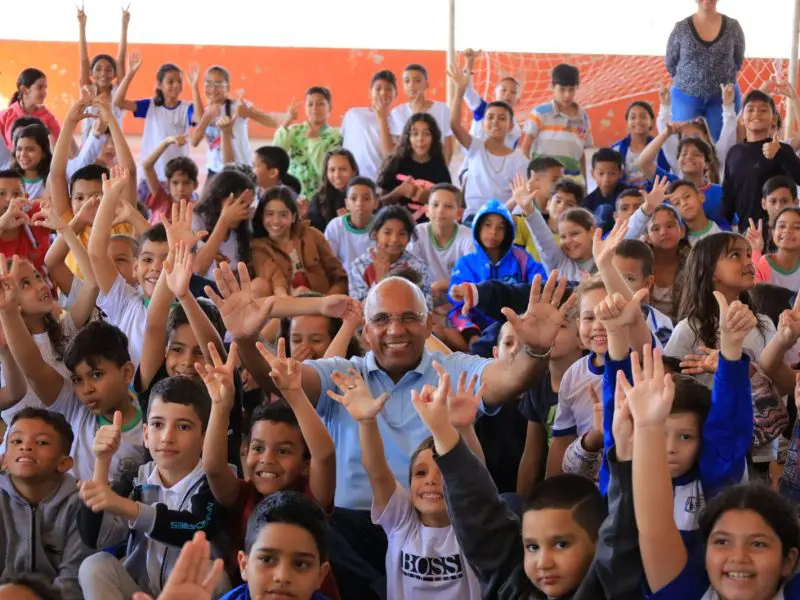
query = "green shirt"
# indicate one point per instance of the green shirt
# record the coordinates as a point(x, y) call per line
point(307, 155)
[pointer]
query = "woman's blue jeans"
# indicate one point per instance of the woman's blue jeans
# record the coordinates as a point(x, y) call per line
point(686, 108)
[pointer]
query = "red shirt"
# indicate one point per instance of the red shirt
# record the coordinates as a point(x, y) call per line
point(30, 243)
point(15, 111)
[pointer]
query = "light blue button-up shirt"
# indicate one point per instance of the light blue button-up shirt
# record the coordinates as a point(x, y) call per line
point(401, 428)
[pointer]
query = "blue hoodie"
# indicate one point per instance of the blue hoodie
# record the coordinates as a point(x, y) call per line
point(514, 266)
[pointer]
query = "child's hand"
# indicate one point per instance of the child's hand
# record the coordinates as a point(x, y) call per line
point(179, 270)
point(521, 193)
point(177, 140)
point(134, 62)
point(797, 390)
point(286, 372)
point(302, 207)
point(698, 364)
point(463, 405)
point(99, 497)
point(242, 314)
point(432, 409)
point(735, 322)
point(616, 313)
point(650, 397)
point(357, 399)
point(123, 213)
point(339, 306)
point(466, 293)
point(225, 124)
point(194, 74)
point(770, 149)
point(219, 376)
point(103, 105)
point(180, 227)
point(728, 94)
point(78, 110)
point(755, 235)
point(88, 210)
point(593, 440)
point(407, 188)
point(664, 94)
point(114, 186)
point(126, 15)
point(107, 439)
point(622, 425)
point(291, 114)
point(656, 196)
point(470, 56)
point(460, 76)
point(603, 249)
point(301, 353)
point(14, 216)
point(243, 109)
point(380, 262)
point(382, 106)
point(236, 209)
point(789, 325)
point(82, 16)
point(9, 288)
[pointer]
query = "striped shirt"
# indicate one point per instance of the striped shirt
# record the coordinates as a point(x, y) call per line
point(559, 135)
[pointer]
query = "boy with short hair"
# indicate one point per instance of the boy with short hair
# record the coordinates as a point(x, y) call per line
point(181, 174)
point(777, 193)
point(566, 195)
point(543, 172)
point(17, 237)
point(366, 130)
point(156, 510)
point(415, 83)
point(607, 173)
point(287, 527)
point(39, 502)
point(560, 128)
point(348, 234)
point(751, 163)
point(627, 203)
point(688, 201)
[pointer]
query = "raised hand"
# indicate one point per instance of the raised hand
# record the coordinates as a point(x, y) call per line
point(179, 270)
point(382, 106)
point(126, 15)
point(617, 313)
point(698, 364)
point(179, 227)
point(81, 16)
point(339, 306)
point(431, 408)
point(291, 114)
point(243, 315)
point(85, 100)
point(462, 407)
point(88, 210)
point(356, 397)
point(650, 397)
point(99, 497)
point(521, 193)
point(466, 293)
point(380, 263)
point(236, 209)
point(656, 196)
point(736, 321)
point(177, 140)
point(103, 104)
point(14, 216)
point(225, 123)
point(107, 439)
point(728, 94)
point(459, 75)
point(603, 249)
point(789, 325)
point(593, 440)
point(622, 425)
point(664, 94)
point(219, 376)
point(194, 74)
point(755, 236)
point(134, 61)
point(538, 327)
point(9, 286)
point(286, 372)
point(302, 352)
point(770, 149)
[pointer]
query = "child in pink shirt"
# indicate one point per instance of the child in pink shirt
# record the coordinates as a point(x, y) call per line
point(28, 101)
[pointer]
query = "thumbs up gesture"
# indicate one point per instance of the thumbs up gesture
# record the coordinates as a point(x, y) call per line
point(736, 320)
point(107, 438)
point(771, 148)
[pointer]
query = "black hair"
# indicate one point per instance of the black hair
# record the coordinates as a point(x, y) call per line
point(702, 146)
point(106, 57)
point(26, 78)
point(209, 208)
point(771, 300)
point(158, 97)
point(759, 96)
point(334, 324)
point(41, 135)
point(322, 91)
point(24, 122)
point(607, 155)
point(88, 173)
point(290, 508)
point(284, 194)
point(95, 341)
point(327, 198)
point(697, 303)
point(773, 508)
point(177, 317)
point(787, 209)
point(679, 183)
point(186, 391)
point(276, 157)
point(453, 189)
point(629, 193)
point(580, 216)
point(10, 174)
point(778, 182)
point(35, 583)
point(572, 492)
point(277, 412)
point(426, 444)
point(362, 181)
point(404, 151)
point(569, 186)
point(128, 239)
point(637, 250)
point(51, 418)
point(566, 75)
point(646, 106)
point(397, 212)
point(417, 67)
point(157, 234)
point(384, 75)
point(504, 105)
point(223, 72)
point(181, 164)
point(540, 164)
point(691, 396)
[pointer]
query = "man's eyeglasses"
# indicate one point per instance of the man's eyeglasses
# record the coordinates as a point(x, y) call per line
point(406, 318)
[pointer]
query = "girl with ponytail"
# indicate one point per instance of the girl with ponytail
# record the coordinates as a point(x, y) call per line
point(28, 101)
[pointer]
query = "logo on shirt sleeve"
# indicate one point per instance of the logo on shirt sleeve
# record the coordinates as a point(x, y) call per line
point(432, 568)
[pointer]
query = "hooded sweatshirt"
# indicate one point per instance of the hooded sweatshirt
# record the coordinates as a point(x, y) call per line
point(43, 538)
point(515, 265)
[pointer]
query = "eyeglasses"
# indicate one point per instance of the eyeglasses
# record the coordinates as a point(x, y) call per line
point(407, 318)
point(215, 84)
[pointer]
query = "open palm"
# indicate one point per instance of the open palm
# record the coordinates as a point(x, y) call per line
point(356, 397)
point(650, 397)
point(538, 327)
point(243, 315)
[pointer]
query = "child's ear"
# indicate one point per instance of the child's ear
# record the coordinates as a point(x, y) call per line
point(128, 371)
point(306, 468)
point(649, 281)
point(241, 558)
point(702, 197)
point(325, 568)
point(494, 352)
point(789, 563)
point(64, 464)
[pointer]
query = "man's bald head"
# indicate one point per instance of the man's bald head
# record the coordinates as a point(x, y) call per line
point(392, 286)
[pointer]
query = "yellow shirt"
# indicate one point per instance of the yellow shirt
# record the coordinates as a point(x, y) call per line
point(525, 239)
point(122, 228)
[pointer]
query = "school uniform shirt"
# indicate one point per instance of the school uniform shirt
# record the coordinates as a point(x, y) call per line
point(402, 113)
point(361, 136)
point(161, 122)
point(84, 424)
point(559, 135)
point(574, 412)
point(346, 241)
point(489, 176)
point(88, 122)
point(441, 260)
point(550, 251)
point(478, 106)
point(769, 272)
point(631, 174)
point(125, 308)
point(659, 324)
point(42, 341)
point(34, 187)
point(242, 152)
point(9, 116)
point(696, 236)
point(422, 563)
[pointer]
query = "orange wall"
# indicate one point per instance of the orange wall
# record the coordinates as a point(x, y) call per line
point(271, 77)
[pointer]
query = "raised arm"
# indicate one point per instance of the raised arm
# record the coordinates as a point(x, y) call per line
point(193, 78)
point(122, 49)
point(85, 65)
point(287, 375)
point(233, 211)
point(57, 180)
point(772, 358)
point(16, 386)
point(149, 163)
point(124, 155)
point(648, 159)
point(225, 125)
point(103, 266)
point(120, 96)
point(460, 77)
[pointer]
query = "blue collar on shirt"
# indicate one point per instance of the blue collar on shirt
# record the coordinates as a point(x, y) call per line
point(592, 368)
point(424, 363)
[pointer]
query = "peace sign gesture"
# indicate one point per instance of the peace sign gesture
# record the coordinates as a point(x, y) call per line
point(9, 286)
point(538, 327)
point(219, 376)
point(755, 236)
point(463, 405)
point(286, 372)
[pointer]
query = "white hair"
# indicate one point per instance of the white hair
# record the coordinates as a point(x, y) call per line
point(370, 304)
